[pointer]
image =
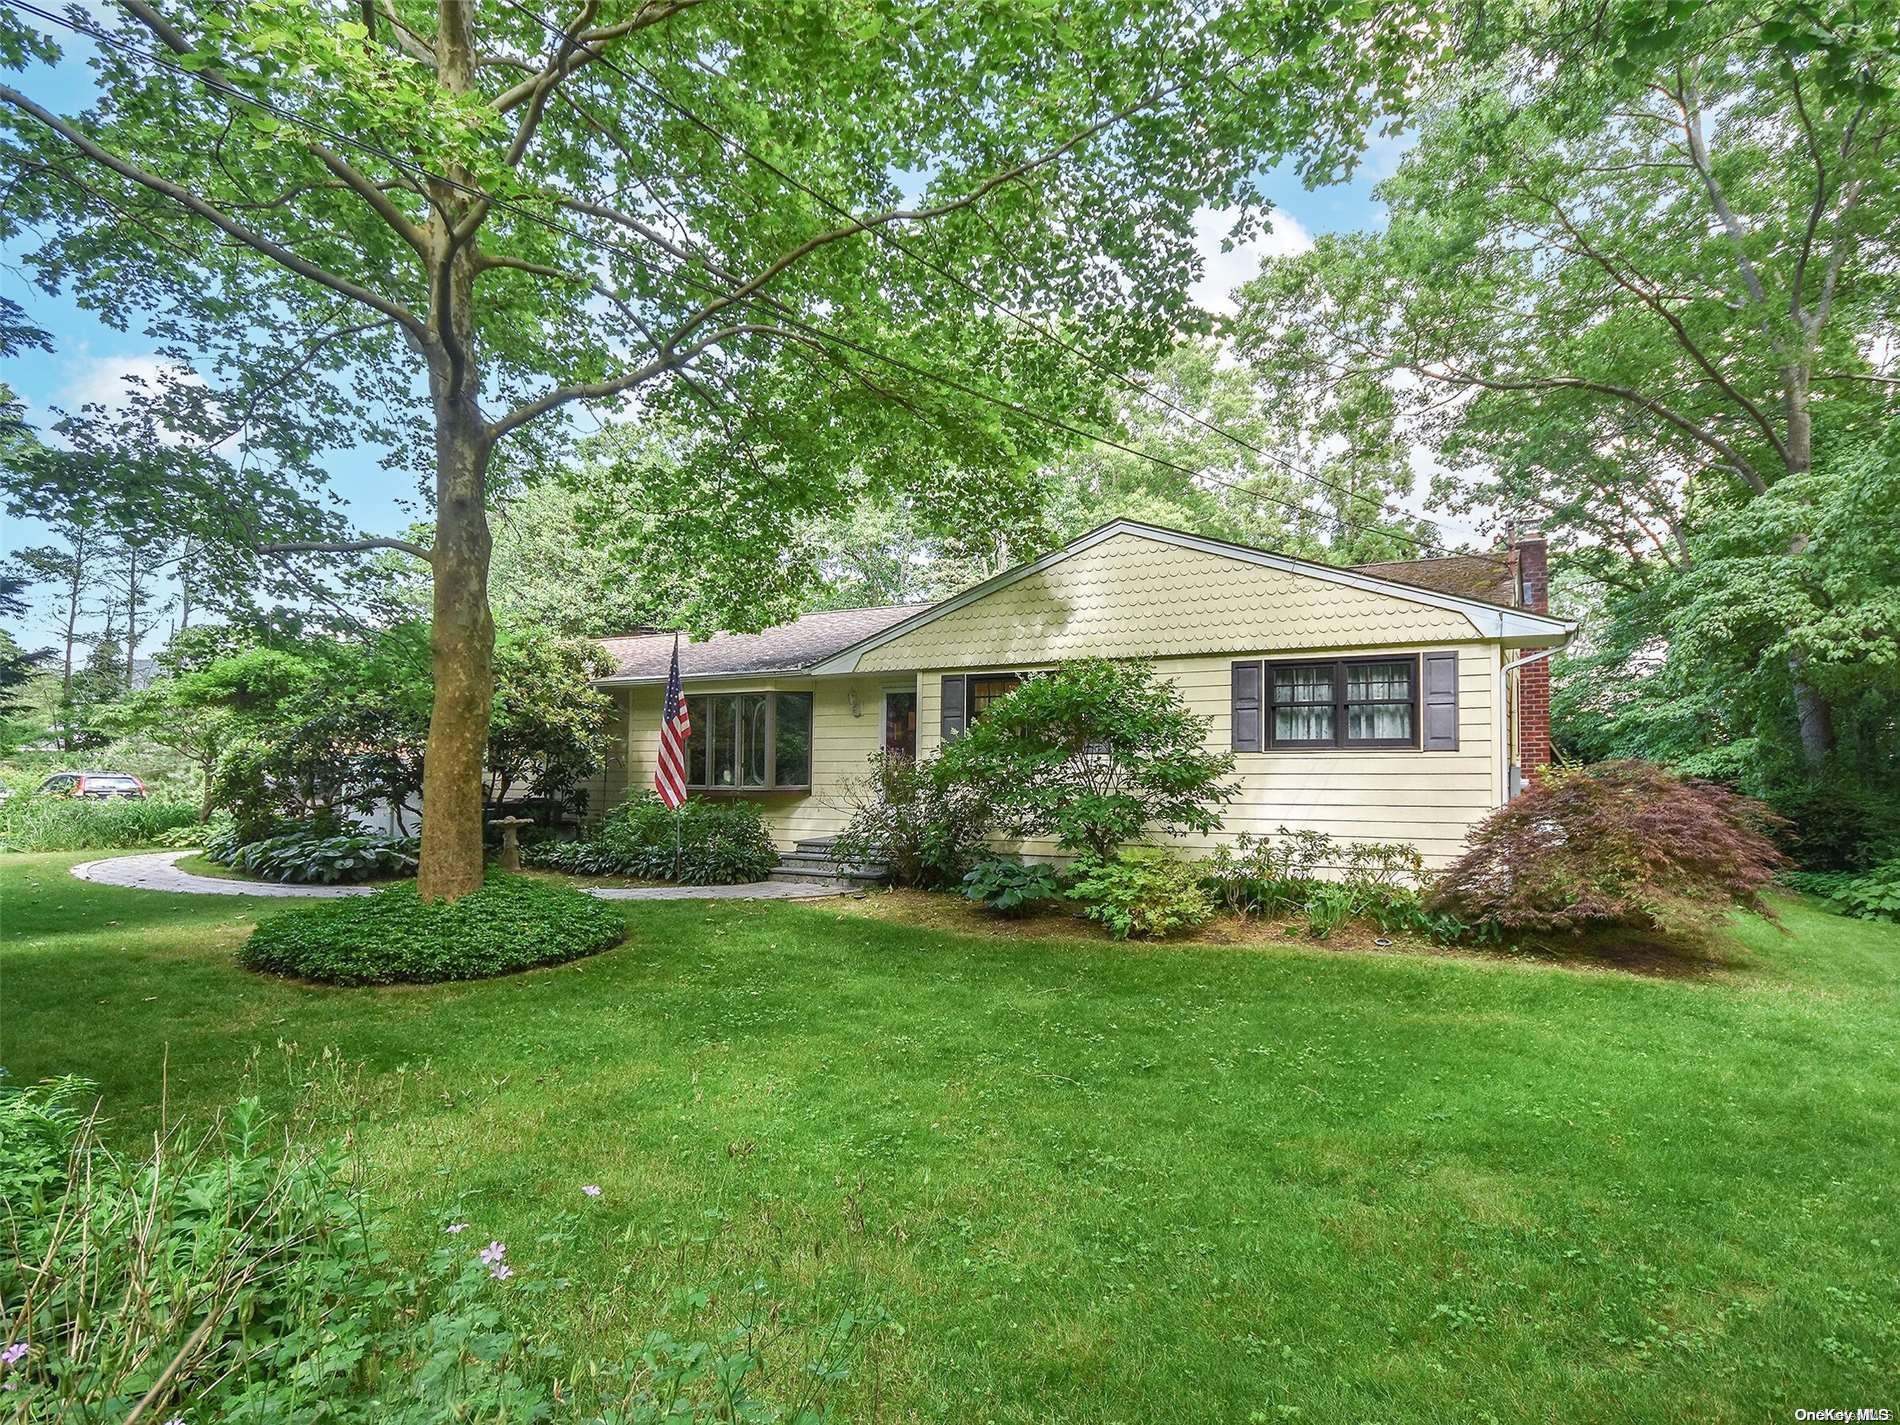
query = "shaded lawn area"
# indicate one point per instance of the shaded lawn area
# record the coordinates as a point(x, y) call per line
point(1094, 1182)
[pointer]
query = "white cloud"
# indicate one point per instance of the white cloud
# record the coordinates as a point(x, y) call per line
point(1379, 159)
point(103, 380)
point(1221, 272)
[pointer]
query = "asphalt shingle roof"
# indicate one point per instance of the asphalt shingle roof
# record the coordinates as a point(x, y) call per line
point(788, 648)
point(1469, 576)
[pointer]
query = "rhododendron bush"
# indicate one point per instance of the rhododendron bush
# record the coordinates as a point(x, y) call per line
point(1615, 844)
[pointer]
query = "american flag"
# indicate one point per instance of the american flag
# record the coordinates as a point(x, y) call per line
point(676, 725)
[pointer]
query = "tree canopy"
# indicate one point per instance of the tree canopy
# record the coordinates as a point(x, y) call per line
point(1638, 280)
point(827, 237)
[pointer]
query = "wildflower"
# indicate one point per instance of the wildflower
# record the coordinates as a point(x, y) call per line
point(454, 1227)
point(14, 1353)
point(501, 1271)
point(591, 1190)
point(493, 1253)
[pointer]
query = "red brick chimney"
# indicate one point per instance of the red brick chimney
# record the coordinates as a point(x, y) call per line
point(1530, 560)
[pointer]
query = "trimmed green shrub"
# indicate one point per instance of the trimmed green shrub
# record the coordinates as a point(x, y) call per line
point(306, 858)
point(1146, 896)
point(912, 818)
point(30, 823)
point(395, 937)
point(1008, 886)
point(707, 842)
point(1093, 755)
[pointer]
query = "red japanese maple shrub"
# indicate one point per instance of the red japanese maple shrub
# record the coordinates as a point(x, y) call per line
point(1616, 844)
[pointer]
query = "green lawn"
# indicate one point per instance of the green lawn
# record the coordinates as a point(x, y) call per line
point(1094, 1182)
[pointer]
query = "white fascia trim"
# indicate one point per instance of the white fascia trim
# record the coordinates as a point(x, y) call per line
point(658, 680)
point(1515, 628)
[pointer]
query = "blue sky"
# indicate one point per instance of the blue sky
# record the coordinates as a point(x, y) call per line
point(90, 360)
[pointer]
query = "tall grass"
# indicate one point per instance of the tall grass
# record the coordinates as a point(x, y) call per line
point(29, 823)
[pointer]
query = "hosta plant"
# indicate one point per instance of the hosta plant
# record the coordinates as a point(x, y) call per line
point(305, 859)
point(1008, 886)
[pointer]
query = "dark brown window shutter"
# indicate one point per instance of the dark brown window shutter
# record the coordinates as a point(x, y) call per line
point(1439, 699)
point(954, 717)
point(1246, 708)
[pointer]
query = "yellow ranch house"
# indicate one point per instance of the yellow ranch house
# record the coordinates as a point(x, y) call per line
point(1390, 702)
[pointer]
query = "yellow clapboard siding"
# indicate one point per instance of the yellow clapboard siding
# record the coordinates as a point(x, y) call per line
point(1430, 799)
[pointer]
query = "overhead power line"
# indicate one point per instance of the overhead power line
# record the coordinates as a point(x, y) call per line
point(784, 313)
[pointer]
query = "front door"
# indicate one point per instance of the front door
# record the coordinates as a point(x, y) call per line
point(900, 725)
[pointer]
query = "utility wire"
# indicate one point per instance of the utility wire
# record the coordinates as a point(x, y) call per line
point(785, 314)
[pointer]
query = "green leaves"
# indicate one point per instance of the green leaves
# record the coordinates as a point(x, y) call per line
point(1092, 756)
point(1625, 295)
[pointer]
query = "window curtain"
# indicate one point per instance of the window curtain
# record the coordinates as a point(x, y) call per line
point(1378, 701)
point(1303, 704)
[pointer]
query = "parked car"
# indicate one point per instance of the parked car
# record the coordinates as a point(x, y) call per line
point(93, 784)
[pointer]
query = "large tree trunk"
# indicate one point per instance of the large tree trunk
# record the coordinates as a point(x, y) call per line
point(1813, 714)
point(462, 644)
point(1814, 718)
point(462, 655)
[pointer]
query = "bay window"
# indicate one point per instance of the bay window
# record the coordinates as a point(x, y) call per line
point(749, 742)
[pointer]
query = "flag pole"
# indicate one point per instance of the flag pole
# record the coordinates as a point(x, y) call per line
point(679, 821)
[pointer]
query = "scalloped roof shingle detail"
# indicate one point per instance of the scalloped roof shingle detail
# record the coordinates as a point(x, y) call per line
point(812, 638)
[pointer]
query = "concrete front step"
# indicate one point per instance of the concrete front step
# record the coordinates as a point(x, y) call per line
point(811, 860)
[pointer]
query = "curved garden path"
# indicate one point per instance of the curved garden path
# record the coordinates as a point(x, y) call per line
point(155, 871)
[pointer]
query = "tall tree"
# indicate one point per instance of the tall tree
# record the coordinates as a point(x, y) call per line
point(133, 567)
point(17, 665)
point(71, 570)
point(459, 222)
point(1638, 272)
point(1205, 445)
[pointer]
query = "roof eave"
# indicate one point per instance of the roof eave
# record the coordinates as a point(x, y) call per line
point(658, 679)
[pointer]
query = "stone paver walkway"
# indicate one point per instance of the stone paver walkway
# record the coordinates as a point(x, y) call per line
point(155, 871)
